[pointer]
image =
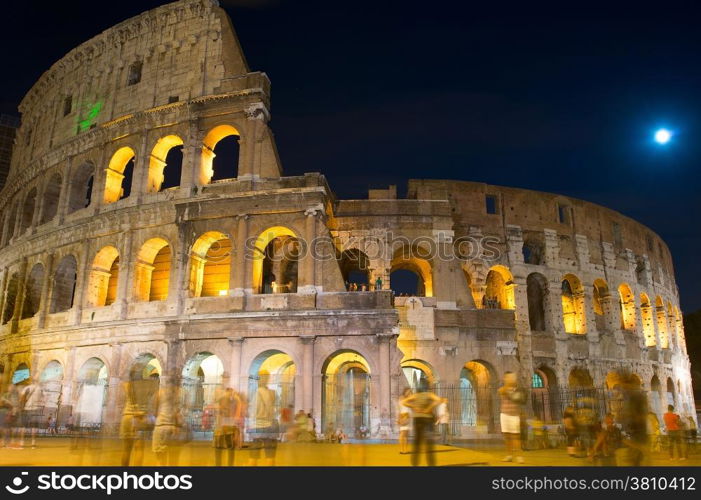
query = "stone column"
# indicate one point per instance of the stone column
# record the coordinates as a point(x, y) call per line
point(307, 278)
point(81, 284)
point(172, 356)
point(192, 163)
point(178, 286)
point(114, 386)
point(385, 377)
point(44, 303)
point(240, 263)
point(6, 376)
point(556, 322)
point(139, 179)
point(443, 270)
point(236, 345)
point(19, 301)
point(307, 369)
point(125, 283)
point(68, 383)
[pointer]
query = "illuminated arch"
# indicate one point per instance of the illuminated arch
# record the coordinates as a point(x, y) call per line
point(91, 402)
point(573, 315)
point(153, 265)
point(210, 265)
point(202, 378)
point(355, 266)
point(662, 329)
point(157, 161)
point(627, 305)
point(580, 378)
point(647, 317)
point(279, 369)
point(476, 384)
point(104, 275)
point(410, 259)
point(499, 289)
point(117, 171)
point(416, 371)
point(259, 253)
point(208, 145)
point(345, 398)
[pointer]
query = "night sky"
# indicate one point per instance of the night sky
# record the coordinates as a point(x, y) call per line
point(556, 100)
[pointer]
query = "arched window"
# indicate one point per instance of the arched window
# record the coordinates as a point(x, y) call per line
point(533, 252)
point(220, 154)
point(573, 305)
point(28, 210)
point(537, 381)
point(355, 268)
point(537, 293)
point(153, 270)
point(119, 174)
point(104, 274)
point(662, 323)
point(275, 261)
point(12, 221)
point(210, 265)
point(165, 164)
point(134, 73)
point(411, 273)
point(64, 284)
point(32, 291)
point(648, 321)
point(80, 190)
point(499, 291)
point(627, 304)
point(51, 196)
point(600, 298)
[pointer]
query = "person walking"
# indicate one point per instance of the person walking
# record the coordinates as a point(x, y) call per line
point(404, 422)
point(443, 419)
point(512, 399)
point(265, 428)
point(422, 405)
point(672, 422)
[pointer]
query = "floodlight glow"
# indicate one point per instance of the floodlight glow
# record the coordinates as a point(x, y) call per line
point(662, 136)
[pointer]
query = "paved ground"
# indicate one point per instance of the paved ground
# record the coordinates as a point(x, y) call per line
point(57, 451)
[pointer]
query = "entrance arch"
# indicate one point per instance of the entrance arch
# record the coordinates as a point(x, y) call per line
point(345, 397)
point(50, 381)
point(280, 370)
point(275, 259)
point(201, 379)
point(477, 395)
point(418, 373)
point(92, 394)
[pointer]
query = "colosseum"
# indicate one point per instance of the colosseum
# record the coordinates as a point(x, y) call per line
point(129, 249)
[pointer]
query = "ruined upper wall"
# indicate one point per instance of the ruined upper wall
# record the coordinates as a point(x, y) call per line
point(187, 49)
point(534, 211)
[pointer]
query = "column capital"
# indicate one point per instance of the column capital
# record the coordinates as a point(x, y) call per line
point(307, 339)
point(236, 340)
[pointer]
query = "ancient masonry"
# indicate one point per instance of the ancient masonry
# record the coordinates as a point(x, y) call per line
point(108, 272)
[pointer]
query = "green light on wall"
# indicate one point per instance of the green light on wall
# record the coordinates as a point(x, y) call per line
point(89, 116)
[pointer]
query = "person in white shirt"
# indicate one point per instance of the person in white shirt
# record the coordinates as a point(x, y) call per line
point(442, 419)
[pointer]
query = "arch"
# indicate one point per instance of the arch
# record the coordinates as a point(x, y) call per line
point(21, 373)
point(28, 210)
point(152, 273)
point(662, 323)
point(533, 251)
point(92, 393)
point(600, 303)
point(538, 301)
point(210, 265)
point(209, 170)
point(50, 381)
point(648, 321)
point(477, 403)
point(655, 393)
point(671, 325)
point(202, 377)
point(499, 289)
point(580, 378)
point(412, 260)
point(679, 330)
point(355, 268)
point(159, 160)
point(277, 370)
point(80, 188)
point(119, 175)
point(10, 298)
point(12, 222)
point(63, 291)
point(345, 397)
point(32, 291)
point(671, 392)
point(104, 274)
point(418, 372)
point(545, 396)
point(573, 305)
point(51, 197)
point(626, 301)
point(275, 260)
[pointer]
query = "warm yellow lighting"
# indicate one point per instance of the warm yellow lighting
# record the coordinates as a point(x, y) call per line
point(223, 293)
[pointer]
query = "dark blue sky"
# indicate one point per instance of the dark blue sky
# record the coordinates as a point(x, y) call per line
point(536, 97)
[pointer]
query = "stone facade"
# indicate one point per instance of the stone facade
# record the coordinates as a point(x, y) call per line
point(95, 282)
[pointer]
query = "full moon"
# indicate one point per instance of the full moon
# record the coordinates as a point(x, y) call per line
point(662, 136)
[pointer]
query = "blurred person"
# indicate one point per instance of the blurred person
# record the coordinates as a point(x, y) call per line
point(6, 418)
point(51, 426)
point(32, 407)
point(653, 430)
point(673, 425)
point(691, 433)
point(300, 433)
point(512, 400)
point(138, 396)
point(311, 426)
point(168, 428)
point(538, 430)
point(633, 417)
point(404, 421)
point(443, 420)
point(608, 440)
point(588, 423)
point(228, 405)
point(286, 422)
point(422, 405)
point(265, 428)
point(570, 428)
